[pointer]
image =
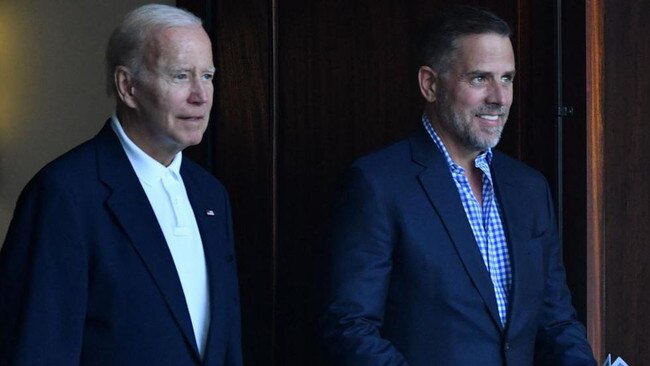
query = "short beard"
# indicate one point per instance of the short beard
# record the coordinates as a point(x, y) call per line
point(460, 127)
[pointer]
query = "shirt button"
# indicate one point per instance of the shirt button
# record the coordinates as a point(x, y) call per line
point(506, 346)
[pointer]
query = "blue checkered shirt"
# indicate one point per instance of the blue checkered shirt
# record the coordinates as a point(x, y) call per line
point(485, 221)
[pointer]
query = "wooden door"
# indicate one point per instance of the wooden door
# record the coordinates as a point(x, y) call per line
point(618, 156)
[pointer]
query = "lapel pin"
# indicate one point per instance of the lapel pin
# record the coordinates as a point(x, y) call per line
point(209, 212)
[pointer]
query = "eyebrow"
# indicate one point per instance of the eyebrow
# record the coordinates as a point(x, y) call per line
point(211, 69)
point(488, 73)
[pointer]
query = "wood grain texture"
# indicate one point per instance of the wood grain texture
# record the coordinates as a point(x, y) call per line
point(346, 88)
point(626, 189)
point(244, 160)
point(595, 177)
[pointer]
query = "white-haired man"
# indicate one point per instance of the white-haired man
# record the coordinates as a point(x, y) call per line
point(120, 251)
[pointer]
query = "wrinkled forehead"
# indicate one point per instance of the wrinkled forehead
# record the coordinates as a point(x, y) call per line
point(169, 43)
point(178, 36)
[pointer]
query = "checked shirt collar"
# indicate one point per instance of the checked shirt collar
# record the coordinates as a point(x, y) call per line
point(485, 221)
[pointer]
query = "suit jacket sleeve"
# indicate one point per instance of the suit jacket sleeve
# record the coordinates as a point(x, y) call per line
point(561, 339)
point(361, 240)
point(43, 280)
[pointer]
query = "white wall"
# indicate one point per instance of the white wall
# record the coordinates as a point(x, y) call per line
point(52, 94)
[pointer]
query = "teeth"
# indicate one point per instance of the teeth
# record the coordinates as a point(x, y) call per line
point(489, 117)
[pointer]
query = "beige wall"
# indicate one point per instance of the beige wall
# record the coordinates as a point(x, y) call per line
point(51, 83)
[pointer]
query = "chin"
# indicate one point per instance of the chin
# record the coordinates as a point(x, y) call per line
point(189, 140)
point(193, 142)
point(482, 145)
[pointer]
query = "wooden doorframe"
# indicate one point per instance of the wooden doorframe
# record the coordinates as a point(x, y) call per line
point(595, 174)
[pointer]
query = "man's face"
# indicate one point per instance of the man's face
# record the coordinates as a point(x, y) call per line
point(475, 94)
point(174, 91)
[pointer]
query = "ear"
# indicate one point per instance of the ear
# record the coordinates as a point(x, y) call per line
point(125, 85)
point(428, 80)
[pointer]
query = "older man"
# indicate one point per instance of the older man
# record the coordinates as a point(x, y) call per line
point(445, 252)
point(120, 252)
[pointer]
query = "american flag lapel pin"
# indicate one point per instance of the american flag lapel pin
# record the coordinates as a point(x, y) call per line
point(209, 212)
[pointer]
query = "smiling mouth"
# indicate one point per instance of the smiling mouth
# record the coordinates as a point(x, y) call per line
point(489, 117)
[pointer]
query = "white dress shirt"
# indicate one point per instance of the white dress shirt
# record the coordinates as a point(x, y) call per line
point(168, 198)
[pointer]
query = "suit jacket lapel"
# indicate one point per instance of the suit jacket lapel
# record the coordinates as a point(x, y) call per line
point(439, 186)
point(515, 216)
point(131, 207)
point(214, 233)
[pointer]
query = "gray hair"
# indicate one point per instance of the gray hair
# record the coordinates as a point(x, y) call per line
point(129, 40)
point(439, 40)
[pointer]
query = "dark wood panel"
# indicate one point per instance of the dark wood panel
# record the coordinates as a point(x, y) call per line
point(238, 147)
point(627, 178)
point(536, 73)
point(574, 140)
point(347, 86)
point(243, 159)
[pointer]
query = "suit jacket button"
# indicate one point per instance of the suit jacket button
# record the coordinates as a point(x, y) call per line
point(506, 346)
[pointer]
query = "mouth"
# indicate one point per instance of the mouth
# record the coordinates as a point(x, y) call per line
point(489, 117)
point(490, 114)
point(198, 118)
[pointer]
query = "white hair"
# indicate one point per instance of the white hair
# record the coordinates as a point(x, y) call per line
point(129, 40)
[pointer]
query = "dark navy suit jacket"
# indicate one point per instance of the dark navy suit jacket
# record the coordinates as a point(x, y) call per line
point(408, 283)
point(86, 277)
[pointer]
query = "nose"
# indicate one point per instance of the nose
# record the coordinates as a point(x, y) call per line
point(499, 93)
point(200, 92)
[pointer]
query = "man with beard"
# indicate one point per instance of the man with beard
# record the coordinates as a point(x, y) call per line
point(444, 251)
point(120, 252)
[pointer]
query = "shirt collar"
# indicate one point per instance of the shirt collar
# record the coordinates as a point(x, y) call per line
point(148, 169)
point(484, 157)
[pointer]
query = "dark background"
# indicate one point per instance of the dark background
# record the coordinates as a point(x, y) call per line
point(304, 87)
